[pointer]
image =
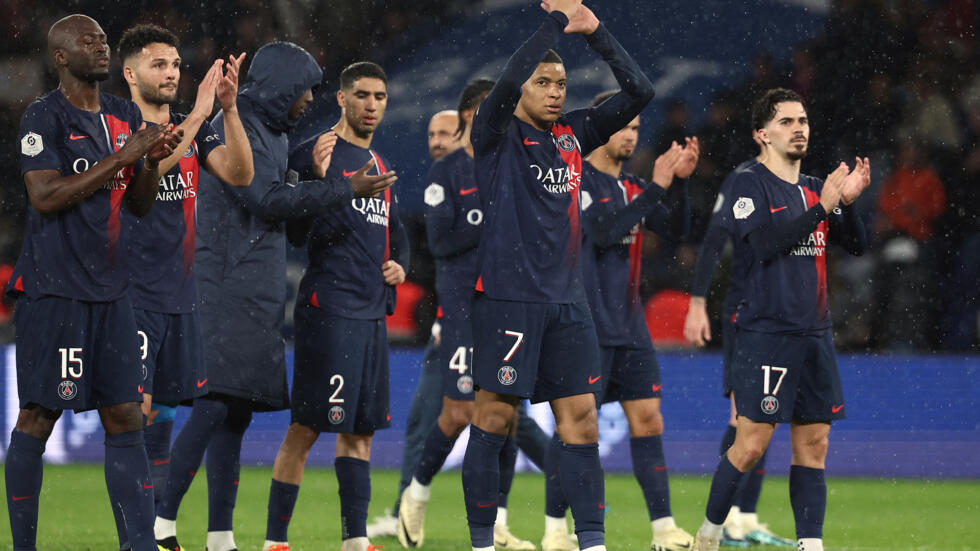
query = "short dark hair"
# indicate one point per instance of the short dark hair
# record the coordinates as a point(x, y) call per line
point(475, 92)
point(603, 96)
point(359, 70)
point(764, 108)
point(552, 56)
point(134, 39)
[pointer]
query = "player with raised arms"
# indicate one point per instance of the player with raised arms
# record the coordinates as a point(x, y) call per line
point(785, 368)
point(85, 159)
point(533, 334)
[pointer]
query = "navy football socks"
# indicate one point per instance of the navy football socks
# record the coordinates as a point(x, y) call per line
point(650, 468)
point(157, 438)
point(750, 487)
point(188, 451)
point(581, 481)
point(127, 478)
point(224, 466)
point(722, 494)
point(808, 496)
point(481, 482)
point(282, 500)
point(555, 504)
point(508, 460)
point(437, 448)
point(354, 487)
point(23, 473)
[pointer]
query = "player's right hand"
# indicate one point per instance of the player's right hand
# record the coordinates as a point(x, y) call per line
point(366, 185)
point(697, 328)
point(833, 186)
point(204, 102)
point(568, 7)
point(142, 141)
point(665, 165)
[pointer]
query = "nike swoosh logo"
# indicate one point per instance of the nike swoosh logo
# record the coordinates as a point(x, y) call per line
point(602, 505)
point(401, 526)
point(20, 498)
point(592, 380)
point(482, 505)
point(528, 141)
point(285, 519)
point(348, 174)
point(201, 383)
point(660, 468)
point(777, 210)
point(72, 136)
point(467, 191)
point(605, 199)
point(157, 462)
point(656, 388)
point(147, 486)
point(836, 409)
point(139, 389)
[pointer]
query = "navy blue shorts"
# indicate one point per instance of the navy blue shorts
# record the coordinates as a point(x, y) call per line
point(173, 363)
point(455, 359)
point(728, 355)
point(340, 383)
point(73, 354)
point(539, 351)
point(783, 378)
point(628, 373)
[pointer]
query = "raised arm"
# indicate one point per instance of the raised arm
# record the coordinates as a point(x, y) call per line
point(203, 105)
point(233, 162)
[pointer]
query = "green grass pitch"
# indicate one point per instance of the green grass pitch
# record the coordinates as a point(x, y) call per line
point(862, 514)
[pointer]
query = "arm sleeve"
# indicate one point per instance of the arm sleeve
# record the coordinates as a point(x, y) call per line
point(769, 240)
point(606, 225)
point(440, 213)
point(39, 135)
point(400, 249)
point(708, 258)
point(847, 230)
point(494, 114)
point(636, 91)
point(207, 139)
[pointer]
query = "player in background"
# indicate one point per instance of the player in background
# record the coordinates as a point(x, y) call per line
point(358, 254)
point(162, 248)
point(453, 216)
point(533, 333)
point(241, 276)
point(614, 205)
point(443, 138)
point(742, 523)
point(85, 155)
point(785, 369)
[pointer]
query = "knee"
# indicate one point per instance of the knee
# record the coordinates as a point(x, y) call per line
point(455, 417)
point(579, 425)
point(120, 418)
point(37, 421)
point(745, 454)
point(648, 423)
point(811, 451)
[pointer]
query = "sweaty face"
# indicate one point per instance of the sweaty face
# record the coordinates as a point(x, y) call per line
point(86, 50)
point(622, 144)
point(364, 104)
point(156, 69)
point(442, 135)
point(788, 133)
point(543, 95)
point(299, 106)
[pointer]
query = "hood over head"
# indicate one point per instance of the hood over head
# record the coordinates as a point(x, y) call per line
point(279, 74)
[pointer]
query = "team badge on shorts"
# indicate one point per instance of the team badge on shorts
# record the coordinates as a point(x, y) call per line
point(507, 375)
point(770, 405)
point(464, 384)
point(67, 390)
point(336, 415)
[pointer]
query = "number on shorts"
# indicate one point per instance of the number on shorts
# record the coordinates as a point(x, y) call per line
point(339, 381)
point(517, 343)
point(144, 344)
point(70, 359)
point(458, 361)
point(767, 369)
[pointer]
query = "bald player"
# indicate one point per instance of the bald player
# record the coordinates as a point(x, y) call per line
point(443, 138)
point(85, 156)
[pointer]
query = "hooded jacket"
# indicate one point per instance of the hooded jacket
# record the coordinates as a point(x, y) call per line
point(241, 243)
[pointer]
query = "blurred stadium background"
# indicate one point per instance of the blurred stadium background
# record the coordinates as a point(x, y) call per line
point(894, 80)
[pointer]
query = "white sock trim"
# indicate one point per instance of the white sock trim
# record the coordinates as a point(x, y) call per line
point(555, 524)
point(501, 516)
point(710, 529)
point(164, 528)
point(663, 524)
point(750, 522)
point(419, 492)
point(810, 544)
point(222, 540)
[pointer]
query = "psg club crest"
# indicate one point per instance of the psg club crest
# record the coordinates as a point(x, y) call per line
point(465, 384)
point(336, 415)
point(121, 140)
point(565, 143)
point(507, 375)
point(190, 152)
point(770, 405)
point(67, 390)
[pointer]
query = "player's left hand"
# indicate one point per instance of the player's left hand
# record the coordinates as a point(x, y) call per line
point(323, 152)
point(688, 160)
point(857, 181)
point(393, 272)
point(165, 145)
point(583, 22)
point(204, 102)
point(697, 327)
point(665, 166)
point(227, 89)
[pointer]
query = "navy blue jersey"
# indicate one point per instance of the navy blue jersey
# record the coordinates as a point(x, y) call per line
point(786, 287)
point(161, 244)
point(722, 225)
point(73, 253)
point(348, 245)
point(529, 179)
point(613, 209)
point(453, 216)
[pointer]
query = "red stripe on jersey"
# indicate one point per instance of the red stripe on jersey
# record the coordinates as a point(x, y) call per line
point(117, 129)
point(479, 284)
point(439, 313)
point(820, 260)
point(190, 171)
point(382, 170)
point(636, 247)
point(573, 159)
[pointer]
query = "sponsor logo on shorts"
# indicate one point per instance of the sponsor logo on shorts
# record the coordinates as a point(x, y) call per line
point(67, 390)
point(465, 384)
point(336, 415)
point(507, 375)
point(770, 405)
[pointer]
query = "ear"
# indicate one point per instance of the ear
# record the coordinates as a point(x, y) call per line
point(764, 136)
point(59, 58)
point(468, 116)
point(129, 74)
point(340, 98)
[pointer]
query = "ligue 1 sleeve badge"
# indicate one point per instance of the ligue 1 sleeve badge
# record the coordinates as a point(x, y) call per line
point(67, 390)
point(770, 405)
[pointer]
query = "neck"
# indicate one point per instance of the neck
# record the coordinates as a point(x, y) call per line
point(158, 113)
point(348, 133)
point(785, 169)
point(80, 93)
point(605, 163)
point(523, 116)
